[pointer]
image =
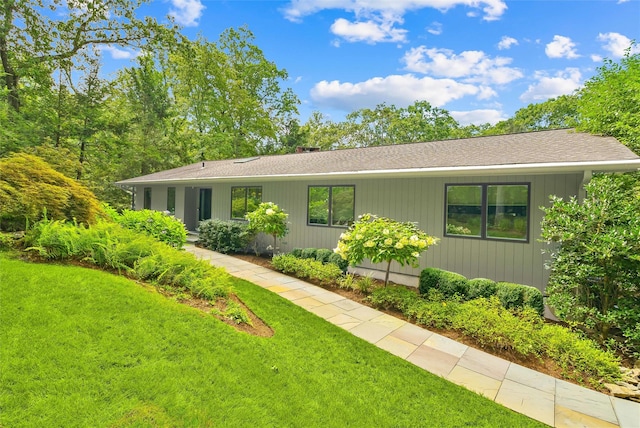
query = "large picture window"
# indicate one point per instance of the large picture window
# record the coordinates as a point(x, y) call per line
point(490, 211)
point(244, 200)
point(331, 205)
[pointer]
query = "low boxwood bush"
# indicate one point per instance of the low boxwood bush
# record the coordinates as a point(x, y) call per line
point(309, 253)
point(337, 260)
point(448, 283)
point(326, 274)
point(481, 287)
point(514, 296)
point(323, 254)
point(225, 236)
point(163, 227)
point(495, 327)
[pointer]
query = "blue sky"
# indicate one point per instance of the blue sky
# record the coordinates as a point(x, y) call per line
point(479, 59)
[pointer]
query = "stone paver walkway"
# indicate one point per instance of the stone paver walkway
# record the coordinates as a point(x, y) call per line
point(553, 401)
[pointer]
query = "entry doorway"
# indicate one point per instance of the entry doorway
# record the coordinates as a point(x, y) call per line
point(197, 206)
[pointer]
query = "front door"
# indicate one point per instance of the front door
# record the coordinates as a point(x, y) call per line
point(204, 205)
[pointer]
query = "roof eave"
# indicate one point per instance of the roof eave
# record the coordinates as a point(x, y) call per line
point(533, 168)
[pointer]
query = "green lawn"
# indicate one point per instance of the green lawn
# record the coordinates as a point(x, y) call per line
point(83, 348)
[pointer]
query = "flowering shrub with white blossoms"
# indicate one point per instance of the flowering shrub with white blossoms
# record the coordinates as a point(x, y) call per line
point(269, 218)
point(382, 239)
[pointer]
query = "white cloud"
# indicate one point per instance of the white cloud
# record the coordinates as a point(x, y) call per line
point(506, 42)
point(435, 28)
point(474, 66)
point(596, 58)
point(375, 19)
point(561, 47)
point(368, 31)
point(117, 53)
point(563, 83)
point(478, 117)
point(616, 44)
point(399, 90)
point(297, 9)
point(186, 12)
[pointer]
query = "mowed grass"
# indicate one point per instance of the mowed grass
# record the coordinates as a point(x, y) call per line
point(80, 347)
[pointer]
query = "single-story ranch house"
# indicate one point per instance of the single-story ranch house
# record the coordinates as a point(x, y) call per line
point(481, 196)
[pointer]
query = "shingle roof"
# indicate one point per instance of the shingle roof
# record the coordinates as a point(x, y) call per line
point(542, 150)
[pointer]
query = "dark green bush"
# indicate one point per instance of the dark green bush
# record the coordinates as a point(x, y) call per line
point(429, 279)
point(532, 297)
point(323, 254)
point(510, 295)
point(481, 287)
point(448, 283)
point(225, 236)
point(297, 252)
point(309, 253)
point(337, 260)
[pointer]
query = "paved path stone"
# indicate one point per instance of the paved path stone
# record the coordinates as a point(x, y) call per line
point(552, 401)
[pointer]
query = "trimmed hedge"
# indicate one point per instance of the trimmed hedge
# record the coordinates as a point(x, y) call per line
point(225, 236)
point(450, 285)
point(481, 287)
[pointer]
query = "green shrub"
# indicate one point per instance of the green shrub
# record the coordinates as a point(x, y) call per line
point(429, 279)
point(109, 245)
point(394, 298)
point(515, 296)
point(495, 327)
point(510, 295)
point(29, 187)
point(325, 274)
point(6, 241)
point(481, 287)
point(532, 297)
point(297, 252)
point(165, 228)
point(448, 283)
point(337, 260)
point(309, 253)
point(323, 254)
point(225, 236)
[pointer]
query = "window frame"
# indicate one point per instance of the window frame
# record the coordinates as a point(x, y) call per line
point(484, 211)
point(146, 198)
point(330, 205)
point(171, 197)
point(246, 188)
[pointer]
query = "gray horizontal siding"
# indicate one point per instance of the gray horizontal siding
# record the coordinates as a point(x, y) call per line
point(419, 200)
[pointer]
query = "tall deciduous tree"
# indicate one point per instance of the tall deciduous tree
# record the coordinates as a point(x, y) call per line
point(556, 113)
point(231, 93)
point(387, 125)
point(610, 101)
point(35, 32)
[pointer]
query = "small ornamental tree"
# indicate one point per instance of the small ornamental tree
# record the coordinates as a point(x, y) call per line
point(382, 239)
point(270, 219)
point(595, 279)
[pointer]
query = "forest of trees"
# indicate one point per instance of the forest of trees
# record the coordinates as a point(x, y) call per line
point(189, 100)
